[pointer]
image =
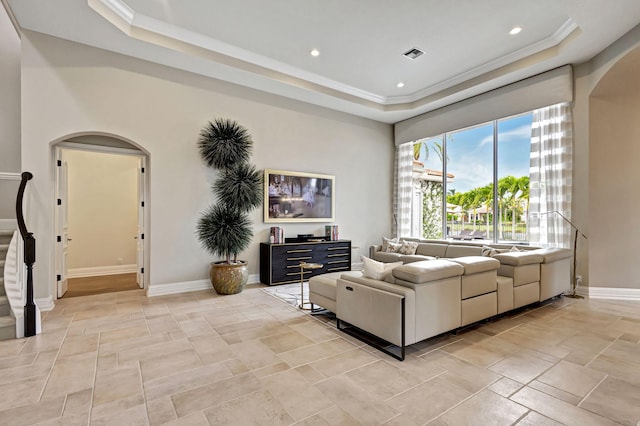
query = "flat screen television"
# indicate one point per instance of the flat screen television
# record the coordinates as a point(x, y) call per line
point(298, 196)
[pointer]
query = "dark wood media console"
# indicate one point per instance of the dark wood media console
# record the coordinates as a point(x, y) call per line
point(280, 263)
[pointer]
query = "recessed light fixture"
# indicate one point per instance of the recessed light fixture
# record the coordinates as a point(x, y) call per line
point(413, 53)
point(314, 52)
point(400, 85)
point(515, 30)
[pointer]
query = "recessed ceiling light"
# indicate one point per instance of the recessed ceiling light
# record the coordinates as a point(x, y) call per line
point(315, 52)
point(515, 30)
point(400, 85)
point(413, 53)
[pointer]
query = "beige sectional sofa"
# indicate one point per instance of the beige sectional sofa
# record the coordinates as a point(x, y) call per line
point(442, 287)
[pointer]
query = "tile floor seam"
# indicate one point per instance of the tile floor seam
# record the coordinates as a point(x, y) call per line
point(466, 399)
point(591, 391)
point(55, 359)
point(600, 353)
point(95, 376)
point(529, 410)
point(419, 384)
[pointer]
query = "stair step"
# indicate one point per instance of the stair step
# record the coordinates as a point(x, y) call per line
point(5, 308)
point(7, 328)
point(5, 236)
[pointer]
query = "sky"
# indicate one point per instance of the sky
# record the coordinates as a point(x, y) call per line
point(470, 153)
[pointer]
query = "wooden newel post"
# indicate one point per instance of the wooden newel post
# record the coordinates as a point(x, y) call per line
point(29, 259)
point(30, 306)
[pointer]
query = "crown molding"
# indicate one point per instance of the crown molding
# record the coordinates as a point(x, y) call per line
point(172, 37)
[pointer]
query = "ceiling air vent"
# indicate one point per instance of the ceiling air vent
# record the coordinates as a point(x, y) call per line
point(413, 53)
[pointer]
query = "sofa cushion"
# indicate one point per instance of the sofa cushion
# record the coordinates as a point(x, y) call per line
point(414, 258)
point(553, 253)
point(519, 258)
point(325, 284)
point(476, 264)
point(428, 270)
point(382, 256)
point(431, 249)
point(377, 270)
point(459, 251)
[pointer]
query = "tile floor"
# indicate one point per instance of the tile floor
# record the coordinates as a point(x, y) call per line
point(199, 359)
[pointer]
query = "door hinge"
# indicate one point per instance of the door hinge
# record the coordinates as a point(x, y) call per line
point(59, 163)
point(58, 277)
point(142, 204)
point(59, 202)
point(142, 236)
point(142, 270)
point(142, 170)
point(59, 238)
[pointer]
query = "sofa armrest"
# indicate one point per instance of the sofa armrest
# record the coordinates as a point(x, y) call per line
point(373, 249)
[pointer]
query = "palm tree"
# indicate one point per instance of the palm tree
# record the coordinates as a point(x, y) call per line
point(505, 185)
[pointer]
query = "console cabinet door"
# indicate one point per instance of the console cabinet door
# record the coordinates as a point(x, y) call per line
point(280, 263)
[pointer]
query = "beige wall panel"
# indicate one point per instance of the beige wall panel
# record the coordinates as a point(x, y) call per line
point(10, 96)
point(614, 129)
point(103, 212)
point(589, 195)
point(70, 88)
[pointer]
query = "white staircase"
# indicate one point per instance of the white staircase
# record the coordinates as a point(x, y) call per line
point(7, 322)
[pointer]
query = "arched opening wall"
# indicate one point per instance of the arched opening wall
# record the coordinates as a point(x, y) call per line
point(614, 203)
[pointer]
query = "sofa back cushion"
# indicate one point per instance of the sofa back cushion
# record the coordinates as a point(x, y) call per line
point(431, 249)
point(460, 251)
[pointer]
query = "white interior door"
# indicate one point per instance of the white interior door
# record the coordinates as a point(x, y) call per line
point(62, 226)
point(140, 234)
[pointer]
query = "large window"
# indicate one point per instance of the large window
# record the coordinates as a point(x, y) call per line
point(486, 191)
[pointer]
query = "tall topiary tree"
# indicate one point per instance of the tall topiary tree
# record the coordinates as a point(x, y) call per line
point(225, 230)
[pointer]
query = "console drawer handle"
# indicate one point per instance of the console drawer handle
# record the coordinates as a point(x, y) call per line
point(349, 288)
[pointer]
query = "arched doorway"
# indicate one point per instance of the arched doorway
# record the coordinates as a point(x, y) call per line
point(101, 196)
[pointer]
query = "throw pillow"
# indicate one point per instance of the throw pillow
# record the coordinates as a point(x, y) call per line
point(377, 270)
point(408, 247)
point(489, 251)
point(393, 247)
point(386, 241)
point(514, 248)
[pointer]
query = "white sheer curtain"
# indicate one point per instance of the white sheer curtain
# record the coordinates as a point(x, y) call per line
point(403, 188)
point(550, 176)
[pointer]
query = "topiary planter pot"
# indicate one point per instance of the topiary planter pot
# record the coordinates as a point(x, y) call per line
point(229, 279)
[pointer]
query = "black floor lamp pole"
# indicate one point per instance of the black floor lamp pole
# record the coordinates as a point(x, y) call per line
point(574, 287)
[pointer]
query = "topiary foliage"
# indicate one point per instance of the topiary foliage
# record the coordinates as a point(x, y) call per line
point(223, 232)
point(240, 187)
point(224, 143)
point(225, 229)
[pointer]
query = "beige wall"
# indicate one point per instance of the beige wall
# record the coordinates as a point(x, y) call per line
point(69, 88)
point(10, 95)
point(606, 134)
point(614, 131)
point(9, 114)
point(103, 214)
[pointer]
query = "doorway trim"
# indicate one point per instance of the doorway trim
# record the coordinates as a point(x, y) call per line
point(127, 147)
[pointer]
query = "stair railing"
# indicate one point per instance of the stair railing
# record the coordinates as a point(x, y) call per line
point(29, 246)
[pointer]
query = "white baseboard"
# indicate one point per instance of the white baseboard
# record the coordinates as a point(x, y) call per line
point(175, 288)
point(45, 303)
point(187, 286)
point(101, 270)
point(610, 293)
